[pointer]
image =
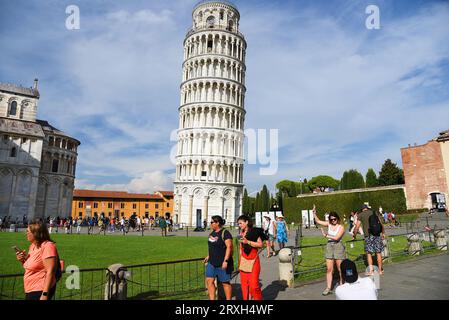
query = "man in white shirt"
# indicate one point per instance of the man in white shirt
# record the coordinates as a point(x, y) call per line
point(354, 288)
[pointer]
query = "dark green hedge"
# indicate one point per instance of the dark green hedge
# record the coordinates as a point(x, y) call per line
point(344, 203)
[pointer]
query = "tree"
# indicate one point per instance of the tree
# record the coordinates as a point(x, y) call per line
point(371, 179)
point(293, 189)
point(390, 174)
point(257, 203)
point(323, 182)
point(280, 200)
point(287, 187)
point(246, 204)
point(352, 179)
point(264, 199)
point(305, 186)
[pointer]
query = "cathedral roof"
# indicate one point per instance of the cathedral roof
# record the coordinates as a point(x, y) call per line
point(47, 127)
point(16, 89)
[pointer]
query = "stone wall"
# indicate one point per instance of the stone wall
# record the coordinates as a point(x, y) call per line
point(424, 174)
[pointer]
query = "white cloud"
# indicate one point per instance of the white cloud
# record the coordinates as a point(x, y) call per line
point(149, 182)
point(341, 97)
point(328, 87)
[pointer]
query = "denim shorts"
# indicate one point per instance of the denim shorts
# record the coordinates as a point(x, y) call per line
point(217, 272)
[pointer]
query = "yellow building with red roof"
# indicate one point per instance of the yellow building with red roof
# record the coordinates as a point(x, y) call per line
point(91, 203)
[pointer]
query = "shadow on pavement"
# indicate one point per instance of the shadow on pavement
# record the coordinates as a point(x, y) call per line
point(271, 291)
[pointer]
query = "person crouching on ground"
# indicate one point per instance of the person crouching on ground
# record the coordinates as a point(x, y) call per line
point(354, 288)
point(40, 263)
point(249, 263)
point(219, 261)
point(335, 249)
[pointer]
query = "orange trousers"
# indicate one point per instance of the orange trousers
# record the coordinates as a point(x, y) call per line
point(249, 281)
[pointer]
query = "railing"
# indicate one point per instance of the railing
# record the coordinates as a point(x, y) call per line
point(214, 28)
point(144, 281)
point(159, 280)
point(309, 262)
point(91, 286)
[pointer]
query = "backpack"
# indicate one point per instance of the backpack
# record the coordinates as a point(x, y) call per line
point(263, 235)
point(375, 227)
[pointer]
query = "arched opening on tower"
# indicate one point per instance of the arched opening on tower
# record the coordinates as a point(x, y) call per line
point(209, 45)
point(210, 22)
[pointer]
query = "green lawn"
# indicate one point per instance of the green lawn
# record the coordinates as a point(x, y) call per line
point(406, 218)
point(99, 251)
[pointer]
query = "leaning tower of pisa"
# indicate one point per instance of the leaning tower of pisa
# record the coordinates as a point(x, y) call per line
point(209, 162)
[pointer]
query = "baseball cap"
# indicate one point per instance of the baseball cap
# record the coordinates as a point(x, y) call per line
point(349, 271)
point(365, 206)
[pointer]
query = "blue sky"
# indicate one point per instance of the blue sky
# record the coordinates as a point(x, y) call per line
point(341, 96)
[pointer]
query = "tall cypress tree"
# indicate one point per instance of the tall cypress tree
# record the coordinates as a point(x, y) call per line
point(352, 179)
point(344, 181)
point(390, 174)
point(264, 199)
point(371, 179)
point(257, 203)
point(245, 203)
point(280, 200)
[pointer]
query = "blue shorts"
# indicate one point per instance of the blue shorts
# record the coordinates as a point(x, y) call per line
point(217, 272)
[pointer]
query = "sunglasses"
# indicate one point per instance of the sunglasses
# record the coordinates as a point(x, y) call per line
point(213, 222)
point(332, 219)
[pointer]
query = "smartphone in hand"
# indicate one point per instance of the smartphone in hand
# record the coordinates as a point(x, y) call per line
point(16, 249)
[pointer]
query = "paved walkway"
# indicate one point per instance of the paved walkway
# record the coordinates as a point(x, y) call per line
point(423, 279)
point(426, 277)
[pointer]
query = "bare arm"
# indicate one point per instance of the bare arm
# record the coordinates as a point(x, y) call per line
point(317, 220)
point(50, 268)
point(339, 235)
point(356, 228)
point(254, 244)
point(229, 246)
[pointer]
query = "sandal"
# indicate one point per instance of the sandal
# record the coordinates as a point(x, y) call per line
point(326, 292)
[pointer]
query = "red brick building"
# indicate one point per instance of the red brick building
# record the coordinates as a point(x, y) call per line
point(426, 172)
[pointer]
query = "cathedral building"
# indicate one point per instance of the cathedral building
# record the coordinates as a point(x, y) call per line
point(209, 162)
point(37, 161)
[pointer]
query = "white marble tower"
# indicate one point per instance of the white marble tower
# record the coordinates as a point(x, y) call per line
point(209, 162)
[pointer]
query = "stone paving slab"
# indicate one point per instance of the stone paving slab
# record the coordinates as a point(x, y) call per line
point(425, 278)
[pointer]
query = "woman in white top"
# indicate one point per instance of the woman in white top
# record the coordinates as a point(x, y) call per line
point(335, 249)
point(269, 228)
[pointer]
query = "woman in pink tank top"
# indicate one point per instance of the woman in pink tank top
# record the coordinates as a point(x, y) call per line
point(40, 263)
